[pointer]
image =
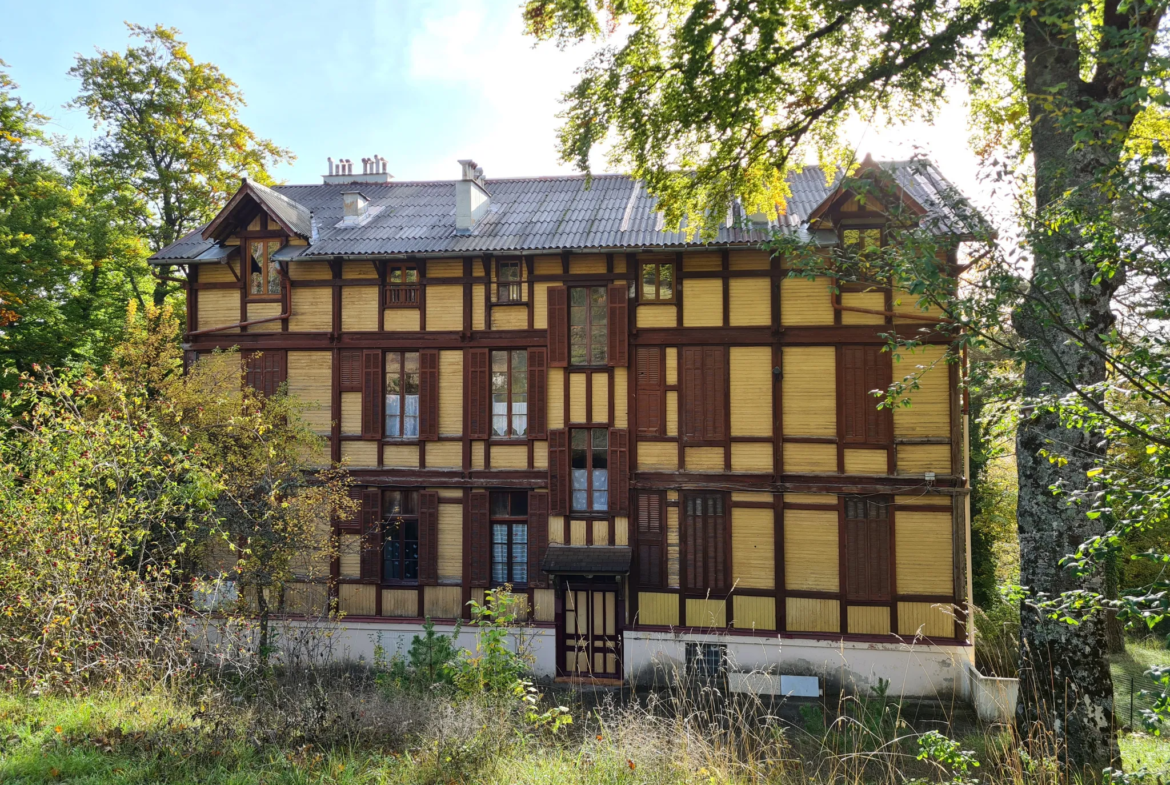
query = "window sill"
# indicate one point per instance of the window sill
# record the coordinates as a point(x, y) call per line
point(508, 440)
point(264, 298)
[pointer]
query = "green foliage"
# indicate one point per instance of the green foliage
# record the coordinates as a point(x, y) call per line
point(950, 756)
point(498, 662)
point(429, 663)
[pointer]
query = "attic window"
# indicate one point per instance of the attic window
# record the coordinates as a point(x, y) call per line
point(263, 275)
point(862, 239)
point(401, 286)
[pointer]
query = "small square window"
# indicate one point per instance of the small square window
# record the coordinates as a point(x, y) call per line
point(656, 282)
point(509, 288)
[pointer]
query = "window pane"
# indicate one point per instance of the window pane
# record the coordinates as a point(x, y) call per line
point(519, 371)
point(577, 345)
point(393, 369)
point(665, 281)
point(520, 535)
point(598, 346)
point(649, 284)
point(580, 500)
point(520, 506)
point(412, 363)
point(256, 255)
point(499, 414)
point(393, 414)
point(410, 568)
point(600, 438)
point(500, 533)
point(273, 272)
point(520, 414)
point(520, 572)
point(576, 297)
point(509, 271)
point(410, 417)
point(411, 275)
point(499, 366)
point(395, 275)
point(600, 501)
point(597, 300)
point(500, 505)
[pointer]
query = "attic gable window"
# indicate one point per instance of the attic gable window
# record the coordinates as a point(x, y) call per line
point(657, 282)
point(508, 286)
point(861, 239)
point(402, 286)
point(263, 275)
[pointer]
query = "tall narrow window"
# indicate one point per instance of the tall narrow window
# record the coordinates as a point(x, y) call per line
point(263, 276)
point(402, 379)
point(401, 286)
point(590, 469)
point(587, 328)
point(510, 393)
point(705, 553)
point(508, 287)
point(399, 536)
point(509, 515)
point(867, 548)
point(657, 282)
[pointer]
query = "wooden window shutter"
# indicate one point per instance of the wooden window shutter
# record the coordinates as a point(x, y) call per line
point(650, 540)
point(478, 379)
point(480, 556)
point(692, 387)
point(649, 391)
point(864, 368)
point(538, 393)
point(704, 393)
point(428, 395)
point(353, 521)
point(351, 370)
point(372, 401)
point(877, 377)
point(428, 538)
point(867, 550)
point(265, 371)
point(717, 543)
point(558, 326)
point(537, 537)
point(617, 325)
point(371, 558)
point(705, 542)
point(558, 471)
point(619, 471)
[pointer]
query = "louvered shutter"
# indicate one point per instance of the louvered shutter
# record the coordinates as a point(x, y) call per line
point(558, 471)
point(692, 541)
point(478, 379)
point(650, 540)
point(704, 393)
point(371, 557)
point(558, 326)
point(863, 369)
point(619, 471)
point(351, 370)
point(617, 325)
point(692, 397)
point(372, 400)
point(537, 537)
point(428, 395)
point(705, 542)
point(867, 550)
point(481, 557)
point(538, 393)
point(428, 538)
point(877, 377)
point(717, 539)
point(353, 521)
point(648, 390)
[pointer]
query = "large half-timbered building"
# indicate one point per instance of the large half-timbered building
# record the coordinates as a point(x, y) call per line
point(662, 442)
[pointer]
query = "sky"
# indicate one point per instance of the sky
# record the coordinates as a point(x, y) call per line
point(421, 83)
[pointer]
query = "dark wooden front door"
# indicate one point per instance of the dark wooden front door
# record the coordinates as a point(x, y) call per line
point(591, 631)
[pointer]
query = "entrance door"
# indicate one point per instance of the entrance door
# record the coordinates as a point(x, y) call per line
point(592, 632)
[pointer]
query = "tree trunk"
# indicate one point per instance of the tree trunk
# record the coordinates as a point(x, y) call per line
point(1066, 691)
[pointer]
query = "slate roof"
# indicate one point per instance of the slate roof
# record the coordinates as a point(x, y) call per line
point(542, 213)
point(587, 559)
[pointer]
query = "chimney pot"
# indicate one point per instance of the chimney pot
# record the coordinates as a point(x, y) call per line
point(330, 160)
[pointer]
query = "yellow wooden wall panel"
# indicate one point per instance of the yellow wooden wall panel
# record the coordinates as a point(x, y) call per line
point(871, 301)
point(703, 459)
point(349, 555)
point(601, 533)
point(753, 552)
point(929, 413)
point(312, 309)
point(815, 458)
point(556, 528)
point(811, 556)
point(703, 302)
point(577, 532)
point(443, 602)
point(809, 390)
point(402, 320)
point(923, 551)
point(356, 599)
point(358, 270)
point(808, 615)
point(444, 455)
point(219, 273)
point(657, 456)
point(810, 498)
point(509, 456)
point(672, 413)
point(539, 455)
point(360, 454)
point(934, 620)
point(906, 305)
point(359, 308)
point(400, 602)
point(317, 455)
point(750, 260)
point(671, 365)
point(658, 609)
point(621, 530)
point(540, 304)
point(306, 599)
point(754, 613)
point(477, 453)
point(445, 268)
point(657, 315)
point(451, 392)
point(600, 402)
point(922, 458)
point(706, 613)
point(805, 302)
point(866, 462)
point(450, 560)
point(755, 457)
point(544, 603)
point(751, 390)
point(478, 308)
point(547, 265)
point(703, 261)
point(621, 399)
point(400, 456)
point(749, 301)
point(444, 307)
point(586, 263)
point(931, 499)
point(672, 547)
point(264, 311)
point(510, 317)
point(556, 398)
point(868, 620)
point(310, 378)
point(577, 398)
point(351, 414)
point(219, 307)
point(306, 271)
